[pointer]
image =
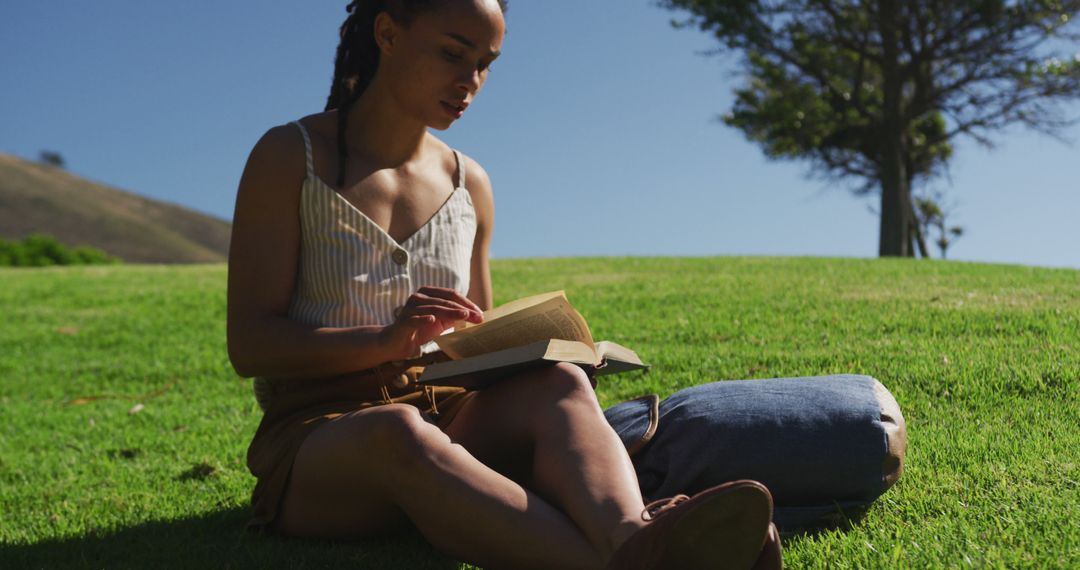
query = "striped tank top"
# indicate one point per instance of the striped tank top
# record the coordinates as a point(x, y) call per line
point(351, 273)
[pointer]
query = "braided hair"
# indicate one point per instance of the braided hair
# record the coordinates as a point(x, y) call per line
point(358, 57)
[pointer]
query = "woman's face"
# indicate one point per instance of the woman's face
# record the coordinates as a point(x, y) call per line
point(437, 64)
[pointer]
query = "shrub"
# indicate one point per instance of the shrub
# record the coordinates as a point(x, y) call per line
point(86, 255)
point(52, 158)
point(9, 254)
point(40, 250)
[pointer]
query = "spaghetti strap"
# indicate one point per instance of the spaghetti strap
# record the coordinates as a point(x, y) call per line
point(307, 150)
point(461, 169)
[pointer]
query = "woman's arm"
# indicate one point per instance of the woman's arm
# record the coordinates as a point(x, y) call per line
point(263, 255)
point(479, 186)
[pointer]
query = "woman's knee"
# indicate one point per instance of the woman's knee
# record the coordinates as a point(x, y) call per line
point(569, 381)
point(402, 441)
point(548, 387)
point(393, 427)
point(365, 433)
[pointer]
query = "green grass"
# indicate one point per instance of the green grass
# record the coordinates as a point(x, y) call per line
point(983, 359)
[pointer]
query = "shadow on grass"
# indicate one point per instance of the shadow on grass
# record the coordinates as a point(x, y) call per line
point(791, 524)
point(216, 540)
point(219, 540)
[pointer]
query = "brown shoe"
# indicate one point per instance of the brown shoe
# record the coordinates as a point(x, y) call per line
point(721, 527)
point(772, 555)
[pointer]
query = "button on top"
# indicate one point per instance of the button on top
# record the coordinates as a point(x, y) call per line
point(399, 256)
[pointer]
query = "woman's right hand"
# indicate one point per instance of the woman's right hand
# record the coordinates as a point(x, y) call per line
point(425, 316)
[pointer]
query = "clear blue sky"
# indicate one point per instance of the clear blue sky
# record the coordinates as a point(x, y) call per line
point(598, 128)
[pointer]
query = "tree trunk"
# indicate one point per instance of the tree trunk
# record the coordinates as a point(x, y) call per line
point(895, 223)
point(915, 230)
point(894, 229)
point(920, 239)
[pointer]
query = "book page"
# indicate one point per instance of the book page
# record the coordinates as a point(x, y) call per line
point(552, 318)
point(515, 358)
point(512, 307)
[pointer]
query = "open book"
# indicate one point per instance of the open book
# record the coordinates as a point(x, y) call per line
point(519, 335)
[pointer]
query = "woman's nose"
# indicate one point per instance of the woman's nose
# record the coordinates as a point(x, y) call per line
point(471, 80)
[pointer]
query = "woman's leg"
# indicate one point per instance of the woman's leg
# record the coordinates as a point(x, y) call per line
point(573, 457)
point(362, 473)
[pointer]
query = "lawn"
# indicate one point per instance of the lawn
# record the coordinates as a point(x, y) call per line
point(124, 428)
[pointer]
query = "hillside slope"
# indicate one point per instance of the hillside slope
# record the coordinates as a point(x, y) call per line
point(39, 198)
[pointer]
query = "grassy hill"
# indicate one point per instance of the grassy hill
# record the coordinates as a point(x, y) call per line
point(983, 360)
point(39, 198)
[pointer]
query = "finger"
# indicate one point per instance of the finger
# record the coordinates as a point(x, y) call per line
point(443, 313)
point(418, 330)
point(418, 299)
point(468, 312)
point(476, 317)
point(421, 304)
point(450, 295)
point(416, 322)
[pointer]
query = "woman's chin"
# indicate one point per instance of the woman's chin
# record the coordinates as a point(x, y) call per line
point(441, 124)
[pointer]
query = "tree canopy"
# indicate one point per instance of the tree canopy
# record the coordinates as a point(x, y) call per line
point(52, 158)
point(875, 92)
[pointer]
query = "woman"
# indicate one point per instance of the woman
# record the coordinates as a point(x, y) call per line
point(332, 286)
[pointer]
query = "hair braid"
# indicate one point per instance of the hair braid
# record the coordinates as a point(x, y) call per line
point(357, 58)
point(354, 66)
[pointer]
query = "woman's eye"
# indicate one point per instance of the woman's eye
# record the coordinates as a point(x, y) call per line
point(451, 56)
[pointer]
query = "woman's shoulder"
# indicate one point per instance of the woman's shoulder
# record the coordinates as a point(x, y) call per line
point(281, 142)
point(476, 180)
point(276, 167)
point(287, 139)
point(321, 127)
point(283, 146)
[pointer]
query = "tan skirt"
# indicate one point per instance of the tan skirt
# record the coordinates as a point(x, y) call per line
point(299, 407)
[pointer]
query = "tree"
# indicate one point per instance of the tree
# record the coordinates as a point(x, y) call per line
point(52, 158)
point(875, 92)
point(930, 215)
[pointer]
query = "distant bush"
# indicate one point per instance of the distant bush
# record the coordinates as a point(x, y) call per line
point(52, 158)
point(40, 250)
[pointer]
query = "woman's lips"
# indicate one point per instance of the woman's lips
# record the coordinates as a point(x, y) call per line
point(453, 110)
